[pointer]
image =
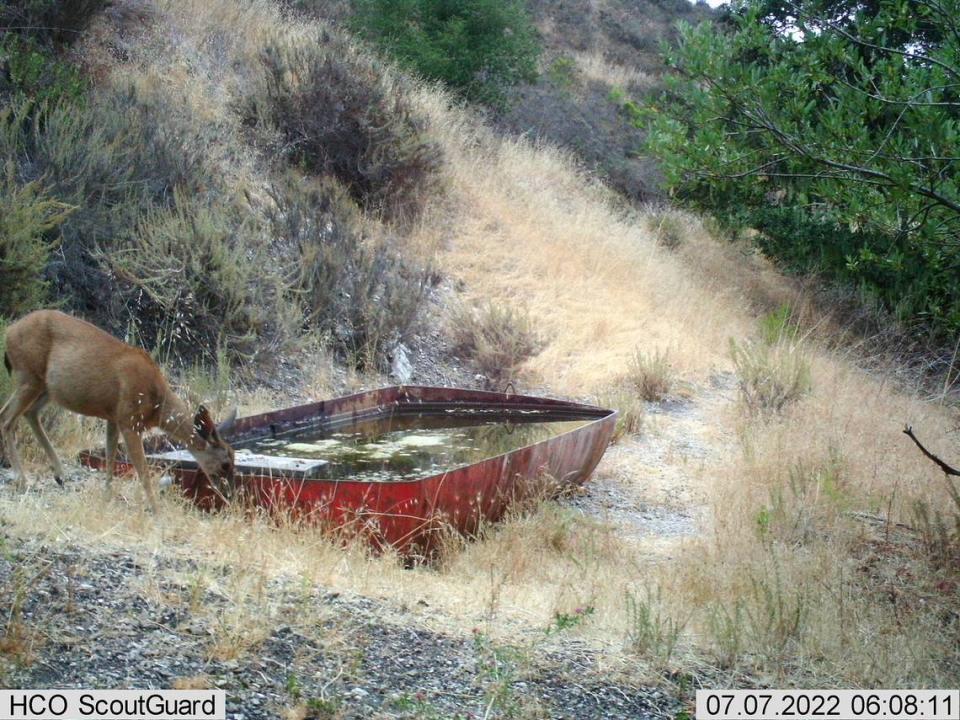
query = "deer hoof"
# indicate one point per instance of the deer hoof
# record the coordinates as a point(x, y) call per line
point(59, 480)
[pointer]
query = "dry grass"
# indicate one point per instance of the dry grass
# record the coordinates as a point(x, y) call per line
point(652, 374)
point(789, 582)
point(771, 376)
point(591, 276)
point(624, 398)
point(596, 68)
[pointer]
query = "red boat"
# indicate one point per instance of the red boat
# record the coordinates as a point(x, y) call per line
point(411, 512)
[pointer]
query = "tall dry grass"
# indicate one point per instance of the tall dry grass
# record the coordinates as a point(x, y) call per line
point(531, 225)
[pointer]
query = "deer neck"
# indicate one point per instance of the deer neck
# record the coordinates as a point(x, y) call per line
point(176, 420)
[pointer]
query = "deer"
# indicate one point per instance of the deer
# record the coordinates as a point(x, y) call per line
point(52, 356)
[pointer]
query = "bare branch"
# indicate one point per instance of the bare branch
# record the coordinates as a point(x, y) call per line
point(947, 470)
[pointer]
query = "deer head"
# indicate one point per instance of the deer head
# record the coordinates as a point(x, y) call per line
point(214, 456)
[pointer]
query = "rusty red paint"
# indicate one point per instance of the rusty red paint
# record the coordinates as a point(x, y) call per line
point(410, 515)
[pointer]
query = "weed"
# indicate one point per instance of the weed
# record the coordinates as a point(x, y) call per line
point(801, 508)
point(630, 408)
point(940, 532)
point(770, 376)
point(775, 611)
point(726, 627)
point(778, 326)
point(498, 667)
point(416, 704)
point(669, 230)
point(649, 630)
point(498, 338)
point(563, 71)
point(565, 621)
point(294, 688)
point(324, 709)
point(212, 384)
point(652, 374)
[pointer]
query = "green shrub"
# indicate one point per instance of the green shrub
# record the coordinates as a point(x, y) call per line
point(771, 376)
point(27, 219)
point(750, 130)
point(122, 158)
point(479, 47)
point(496, 337)
point(35, 71)
point(338, 116)
point(351, 284)
point(563, 72)
point(196, 282)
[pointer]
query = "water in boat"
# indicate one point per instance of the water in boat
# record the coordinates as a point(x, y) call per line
point(398, 447)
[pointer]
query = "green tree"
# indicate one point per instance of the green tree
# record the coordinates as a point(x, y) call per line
point(831, 126)
point(478, 47)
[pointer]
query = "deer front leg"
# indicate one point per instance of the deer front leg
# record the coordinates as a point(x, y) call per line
point(113, 434)
point(134, 444)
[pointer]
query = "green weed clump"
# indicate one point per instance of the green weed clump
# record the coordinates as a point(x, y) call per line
point(339, 115)
point(651, 630)
point(624, 398)
point(805, 505)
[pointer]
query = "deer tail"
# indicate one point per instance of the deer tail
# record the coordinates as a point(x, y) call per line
point(6, 362)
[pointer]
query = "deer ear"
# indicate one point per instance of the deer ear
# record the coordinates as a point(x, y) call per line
point(203, 424)
point(227, 425)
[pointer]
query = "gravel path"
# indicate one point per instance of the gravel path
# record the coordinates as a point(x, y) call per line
point(654, 487)
point(85, 620)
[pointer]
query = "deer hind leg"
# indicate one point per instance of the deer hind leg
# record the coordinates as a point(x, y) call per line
point(134, 444)
point(33, 419)
point(24, 395)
